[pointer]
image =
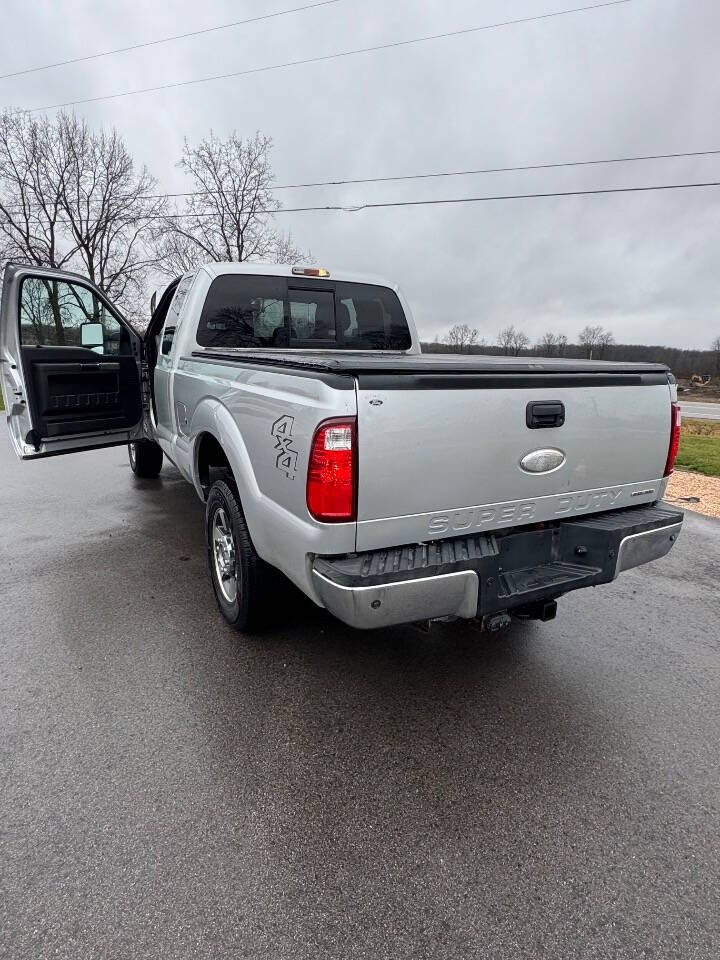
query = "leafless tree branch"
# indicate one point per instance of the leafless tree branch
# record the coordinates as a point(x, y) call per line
point(232, 218)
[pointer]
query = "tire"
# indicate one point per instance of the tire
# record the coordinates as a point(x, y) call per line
point(146, 458)
point(239, 576)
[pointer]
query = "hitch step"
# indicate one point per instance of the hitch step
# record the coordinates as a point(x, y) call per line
point(547, 576)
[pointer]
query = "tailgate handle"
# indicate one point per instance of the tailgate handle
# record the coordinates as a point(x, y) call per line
point(545, 414)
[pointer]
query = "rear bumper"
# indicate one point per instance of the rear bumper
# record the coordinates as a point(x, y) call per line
point(483, 574)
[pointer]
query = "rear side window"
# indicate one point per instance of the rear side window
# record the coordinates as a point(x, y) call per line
point(173, 314)
point(258, 311)
point(178, 301)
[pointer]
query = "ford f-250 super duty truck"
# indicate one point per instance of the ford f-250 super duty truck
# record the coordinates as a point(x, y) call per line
point(389, 485)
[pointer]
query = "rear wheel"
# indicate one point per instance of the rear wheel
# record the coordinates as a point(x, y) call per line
point(146, 458)
point(238, 574)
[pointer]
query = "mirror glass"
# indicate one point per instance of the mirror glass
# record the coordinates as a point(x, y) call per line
point(92, 335)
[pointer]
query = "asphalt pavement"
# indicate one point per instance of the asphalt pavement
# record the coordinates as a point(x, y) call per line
point(700, 411)
point(173, 790)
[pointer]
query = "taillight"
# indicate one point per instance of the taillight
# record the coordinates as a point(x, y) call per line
point(675, 421)
point(332, 477)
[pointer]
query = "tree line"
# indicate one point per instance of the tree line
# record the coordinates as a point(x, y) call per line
point(73, 198)
point(462, 338)
point(593, 342)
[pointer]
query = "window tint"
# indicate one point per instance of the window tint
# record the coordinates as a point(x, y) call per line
point(54, 312)
point(312, 316)
point(242, 312)
point(256, 311)
point(370, 317)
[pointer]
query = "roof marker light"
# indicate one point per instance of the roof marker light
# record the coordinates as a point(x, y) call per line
point(310, 272)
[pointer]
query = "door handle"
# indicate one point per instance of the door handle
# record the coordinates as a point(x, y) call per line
point(544, 413)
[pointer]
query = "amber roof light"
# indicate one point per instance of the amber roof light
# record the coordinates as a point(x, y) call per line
point(310, 272)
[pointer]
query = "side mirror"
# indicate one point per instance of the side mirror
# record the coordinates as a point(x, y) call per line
point(92, 335)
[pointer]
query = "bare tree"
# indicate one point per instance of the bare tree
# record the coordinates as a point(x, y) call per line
point(506, 338)
point(110, 210)
point(606, 340)
point(69, 197)
point(595, 340)
point(588, 338)
point(462, 338)
point(520, 342)
point(32, 182)
point(552, 344)
point(547, 344)
point(228, 216)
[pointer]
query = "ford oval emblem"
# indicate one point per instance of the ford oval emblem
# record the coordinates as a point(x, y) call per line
point(542, 461)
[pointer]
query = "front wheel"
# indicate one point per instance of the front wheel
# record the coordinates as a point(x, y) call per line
point(146, 458)
point(238, 574)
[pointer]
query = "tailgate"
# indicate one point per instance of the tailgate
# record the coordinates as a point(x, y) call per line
point(440, 456)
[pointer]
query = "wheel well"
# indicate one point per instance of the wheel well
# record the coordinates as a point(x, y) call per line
point(212, 464)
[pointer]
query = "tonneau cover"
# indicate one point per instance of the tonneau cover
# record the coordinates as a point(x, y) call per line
point(350, 362)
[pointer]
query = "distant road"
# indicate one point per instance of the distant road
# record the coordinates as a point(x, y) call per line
point(700, 411)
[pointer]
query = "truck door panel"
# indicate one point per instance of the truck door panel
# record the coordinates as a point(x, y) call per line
point(70, 364)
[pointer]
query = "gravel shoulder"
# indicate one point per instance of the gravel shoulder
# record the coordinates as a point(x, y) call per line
point(685, 484)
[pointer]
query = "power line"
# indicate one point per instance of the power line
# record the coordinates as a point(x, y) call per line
point(177, 36)
point(329, 56)
point(452, 173)
point(510, 196)
point(357, 208)
point(468, 173)
point(428, 176)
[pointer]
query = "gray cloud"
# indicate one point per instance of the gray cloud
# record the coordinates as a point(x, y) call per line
point(639, 78)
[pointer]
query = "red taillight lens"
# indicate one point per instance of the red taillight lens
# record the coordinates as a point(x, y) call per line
point(332, 472)
point(675, 421)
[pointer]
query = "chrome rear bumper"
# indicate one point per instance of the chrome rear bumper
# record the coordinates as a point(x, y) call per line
point(483, 574)
point(426, 598)
point(643, 547)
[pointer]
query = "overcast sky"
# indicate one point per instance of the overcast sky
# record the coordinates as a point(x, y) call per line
point(639, 78)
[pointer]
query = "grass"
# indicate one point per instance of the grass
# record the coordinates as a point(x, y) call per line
point(700, 447)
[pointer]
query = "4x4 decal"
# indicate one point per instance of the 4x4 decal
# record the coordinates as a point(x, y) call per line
point(286, 460)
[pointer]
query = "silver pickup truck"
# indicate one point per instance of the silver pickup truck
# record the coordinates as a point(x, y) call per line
point(390, 486)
